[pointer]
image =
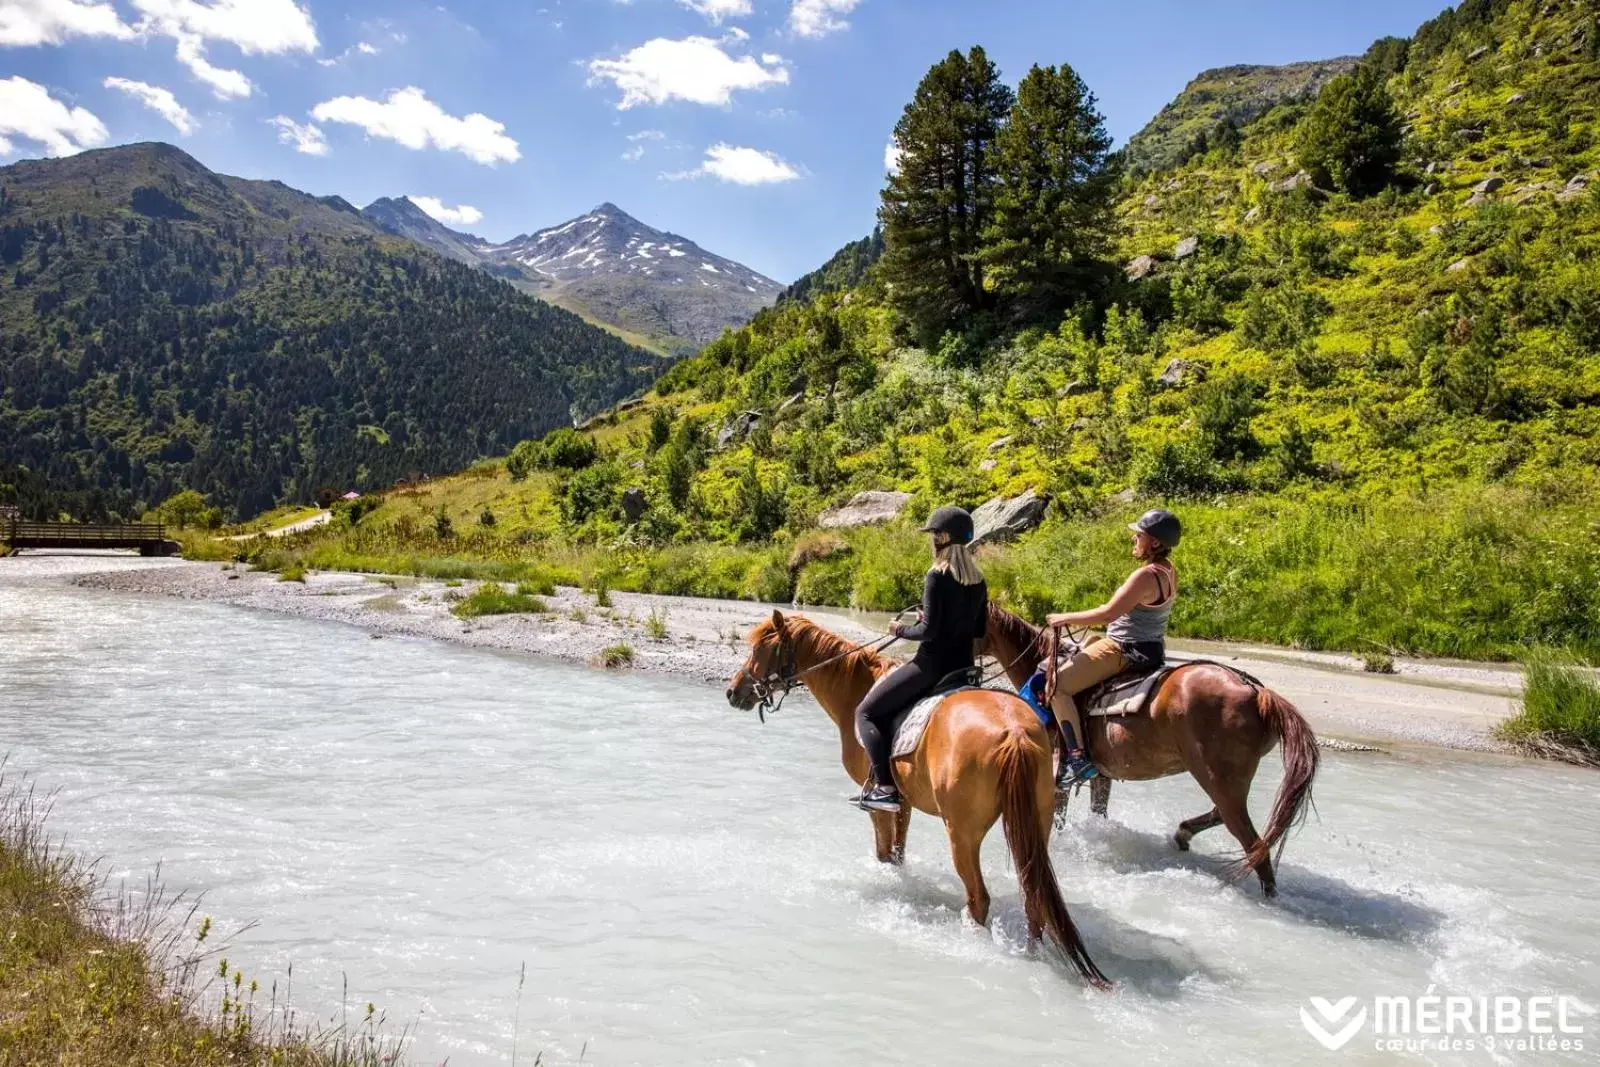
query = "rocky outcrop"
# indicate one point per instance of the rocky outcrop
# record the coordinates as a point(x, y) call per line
point(1302, 180)
point(737, 428)
point(864, 509)
point(1142, 267)
point(634, 504)
point(1003, 520)
point(1186, 248)
point(1180, 372)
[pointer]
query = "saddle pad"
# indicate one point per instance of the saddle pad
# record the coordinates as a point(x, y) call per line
point(908, 734)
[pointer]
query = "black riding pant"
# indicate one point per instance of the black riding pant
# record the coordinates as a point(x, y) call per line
point(887, 700)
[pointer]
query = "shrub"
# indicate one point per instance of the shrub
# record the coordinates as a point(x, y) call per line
point(1560, 707)
point(491, 599)
point(615, 657)
point(655, 624)
point(827, 581)
point(292, 572)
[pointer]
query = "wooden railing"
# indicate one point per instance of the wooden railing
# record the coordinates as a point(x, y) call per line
point(150, 538)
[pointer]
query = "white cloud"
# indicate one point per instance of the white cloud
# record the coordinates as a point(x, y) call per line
point(34, 22)
point(891, 156)
point(255, 27)
point(695, 69)
point(818, 18)
point(741, 166)
point(635, 150)
point(461, 215)
point(717, 10)
point(365, 48)
point(6, 147)
point(416, 122)
point(307, 139)
point(27, 110)
point(157, 99)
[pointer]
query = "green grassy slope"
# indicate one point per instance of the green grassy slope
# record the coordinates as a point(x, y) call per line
point(1378, 416)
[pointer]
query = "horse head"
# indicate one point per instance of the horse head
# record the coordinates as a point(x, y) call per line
point(764, 670)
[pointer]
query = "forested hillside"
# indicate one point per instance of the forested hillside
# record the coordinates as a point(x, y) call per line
point(163, 327)
point(1356, 346)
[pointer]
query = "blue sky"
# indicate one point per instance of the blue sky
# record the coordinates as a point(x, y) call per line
point(755, 127)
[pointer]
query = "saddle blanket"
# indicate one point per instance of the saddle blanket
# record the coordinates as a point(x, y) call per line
point(914, 723)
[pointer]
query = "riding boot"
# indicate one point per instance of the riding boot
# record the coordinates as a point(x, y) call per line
point(1074, 765)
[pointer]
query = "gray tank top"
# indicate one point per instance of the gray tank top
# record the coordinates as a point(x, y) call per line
point(1144, 624)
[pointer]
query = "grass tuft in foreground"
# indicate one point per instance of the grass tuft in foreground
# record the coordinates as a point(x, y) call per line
point(99, 980)
point(1560, 716)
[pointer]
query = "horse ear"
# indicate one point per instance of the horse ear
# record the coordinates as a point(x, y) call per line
point(777, 619)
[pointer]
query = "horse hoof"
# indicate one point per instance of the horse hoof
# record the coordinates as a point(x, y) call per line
point(1181, 839)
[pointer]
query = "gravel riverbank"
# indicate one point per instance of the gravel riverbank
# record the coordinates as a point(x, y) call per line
point(1431, 703)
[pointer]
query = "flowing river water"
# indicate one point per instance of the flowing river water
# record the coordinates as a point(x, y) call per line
point(685, 885)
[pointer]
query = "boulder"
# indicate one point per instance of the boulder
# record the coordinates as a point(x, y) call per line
point(1477, 200)
point(1261, 170)
point(1478, 52)
point(1142, 267)
point(794, 400)
point(1516, 98)
point(1186, 248)
point(999, 442)
point(1430, 189)
point(1455, 87)
point(988, 465)
point(1253, 214)
point(1470, 134)
point(1489, 185)
point(1458, 266)
point(1180, 372)
point(1075, 388)
point(1302, 180)
point(1576, 187)
point(1002, 520)
point(1152, 202)
point(864, 509)
point(634, 504)
point(737, 428)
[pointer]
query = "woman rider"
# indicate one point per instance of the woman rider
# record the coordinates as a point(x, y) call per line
point(954, 614)
point(1135, 638)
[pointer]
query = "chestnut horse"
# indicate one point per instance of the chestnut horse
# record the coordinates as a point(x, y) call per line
point(983, 757)
point(1204, 719)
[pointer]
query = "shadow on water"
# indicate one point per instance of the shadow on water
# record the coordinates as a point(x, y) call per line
point(1154, 964)
point(1306, 895)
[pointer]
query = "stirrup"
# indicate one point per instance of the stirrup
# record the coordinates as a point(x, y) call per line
point(1075, 769)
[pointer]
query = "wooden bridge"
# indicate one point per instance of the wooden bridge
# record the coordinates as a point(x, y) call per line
point(150, 538)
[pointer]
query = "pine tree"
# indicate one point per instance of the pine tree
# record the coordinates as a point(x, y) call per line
point(1351, 138)
point(936, 208)
point(1052, 215)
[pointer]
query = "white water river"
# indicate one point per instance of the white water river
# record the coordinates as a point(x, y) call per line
point(685, 885)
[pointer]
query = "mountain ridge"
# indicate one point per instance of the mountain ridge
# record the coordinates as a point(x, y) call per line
point(166, 327)
point(607, 266)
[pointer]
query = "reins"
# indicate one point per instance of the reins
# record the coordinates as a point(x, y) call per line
point(784, 685)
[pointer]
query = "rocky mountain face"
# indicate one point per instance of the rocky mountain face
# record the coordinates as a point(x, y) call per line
point(1225, 97)
point(610, 268)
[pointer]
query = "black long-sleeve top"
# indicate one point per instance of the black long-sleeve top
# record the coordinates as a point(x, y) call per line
point(953, 617)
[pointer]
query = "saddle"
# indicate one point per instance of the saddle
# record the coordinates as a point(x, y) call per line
point(1130, 692)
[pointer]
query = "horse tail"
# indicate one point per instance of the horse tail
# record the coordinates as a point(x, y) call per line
point(1022, 765)
point(1300, 758)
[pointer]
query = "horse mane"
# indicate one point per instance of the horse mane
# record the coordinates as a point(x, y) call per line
point(813, 639)
point(1018, 631)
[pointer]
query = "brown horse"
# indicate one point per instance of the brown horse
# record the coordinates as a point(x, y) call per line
point(1204, 719)
point(983, 757)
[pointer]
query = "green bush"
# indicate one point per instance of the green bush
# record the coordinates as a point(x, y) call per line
point(615, 657)
point(1350, 140)
point(491, 598)
point(828, 581)
point(1560, 703)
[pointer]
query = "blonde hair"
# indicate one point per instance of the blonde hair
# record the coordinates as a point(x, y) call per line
point(956, 560)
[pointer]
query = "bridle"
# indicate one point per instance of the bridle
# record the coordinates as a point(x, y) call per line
point(783, 674)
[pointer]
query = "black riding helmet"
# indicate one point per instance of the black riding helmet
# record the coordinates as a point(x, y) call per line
point(1160, 524)
point(950, 520)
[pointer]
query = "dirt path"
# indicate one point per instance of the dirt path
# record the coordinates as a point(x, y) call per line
point(319, 519)
point(1428, 702)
